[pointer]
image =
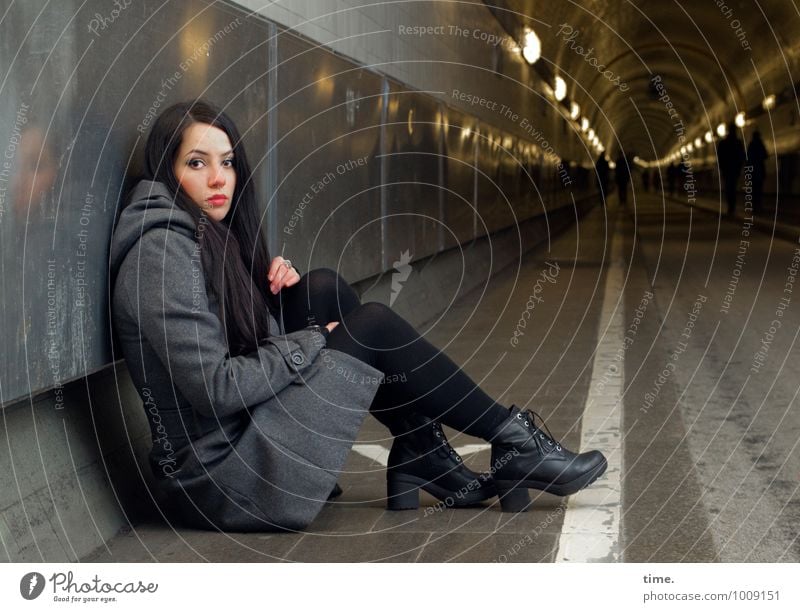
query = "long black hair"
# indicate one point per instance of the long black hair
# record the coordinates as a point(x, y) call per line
point(233, 251)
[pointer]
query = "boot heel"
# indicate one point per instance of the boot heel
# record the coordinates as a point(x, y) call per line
point(402, 494)
point(513, 499)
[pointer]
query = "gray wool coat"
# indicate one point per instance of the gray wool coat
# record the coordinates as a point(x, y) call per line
point(247, 443)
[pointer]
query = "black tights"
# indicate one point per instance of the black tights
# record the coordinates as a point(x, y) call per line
point(419, 377)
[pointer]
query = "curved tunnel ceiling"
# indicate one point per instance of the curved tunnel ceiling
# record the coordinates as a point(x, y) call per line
point(713, 61)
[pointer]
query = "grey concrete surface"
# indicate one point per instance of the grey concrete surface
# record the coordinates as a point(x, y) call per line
point(733, 390)
point(710, 459)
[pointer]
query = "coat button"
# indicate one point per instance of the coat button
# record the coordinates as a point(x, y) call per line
point(298, 358)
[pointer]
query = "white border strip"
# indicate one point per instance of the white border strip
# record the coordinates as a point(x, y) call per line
point(591, 530)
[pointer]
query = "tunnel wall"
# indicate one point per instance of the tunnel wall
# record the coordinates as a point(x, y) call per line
point(367, 171)
point(354, 167)
point(440, 47)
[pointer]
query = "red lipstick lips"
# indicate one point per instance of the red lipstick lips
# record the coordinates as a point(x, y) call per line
point(218, 200)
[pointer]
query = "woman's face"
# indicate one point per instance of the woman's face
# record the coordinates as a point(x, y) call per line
point(204, 168)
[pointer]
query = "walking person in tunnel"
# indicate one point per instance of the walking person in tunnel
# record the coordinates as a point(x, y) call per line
point(256, 379)
point(622, 175)
point(672, 177)
point(756, 156)
point(730, 157)
point(601, 167)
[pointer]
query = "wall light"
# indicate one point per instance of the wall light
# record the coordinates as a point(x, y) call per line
point(532, 49)
point(584, 124)
point(769, 102)
point(560, 89)
point(591, 134)
point(722, 130)
point(698, 143)
point(739, 121)
point(574, 110)
point(709, 136)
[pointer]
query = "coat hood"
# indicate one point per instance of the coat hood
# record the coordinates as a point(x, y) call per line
point(151, 205)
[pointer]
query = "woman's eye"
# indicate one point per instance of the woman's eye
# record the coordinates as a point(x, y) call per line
point(197, 163)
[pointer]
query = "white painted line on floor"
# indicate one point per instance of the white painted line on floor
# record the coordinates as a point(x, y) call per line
point(470, 449)
point(591, 530)
point(380, 454)
point(376, 452)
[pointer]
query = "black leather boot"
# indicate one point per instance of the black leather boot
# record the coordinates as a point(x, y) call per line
point(422, 458)
point(525, 457)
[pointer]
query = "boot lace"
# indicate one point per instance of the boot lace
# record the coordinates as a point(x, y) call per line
point(528, 417)
point(439, 433)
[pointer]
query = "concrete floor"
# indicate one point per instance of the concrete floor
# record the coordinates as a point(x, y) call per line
point(710, 458)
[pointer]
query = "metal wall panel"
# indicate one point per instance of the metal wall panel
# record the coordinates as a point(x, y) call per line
point(491, 204)
point(328, 191)
point(510, 170)
point(531, 195)
point(458, 177)
point(412, 188)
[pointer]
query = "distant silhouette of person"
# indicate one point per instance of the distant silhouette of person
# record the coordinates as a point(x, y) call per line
point(672, 177)
point(622, 174)
point(602, 169)
point(756, 155)
point(730, 157)
point(645, 180)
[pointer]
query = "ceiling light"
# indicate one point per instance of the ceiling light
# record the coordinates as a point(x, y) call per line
point(722, 130)
point(739, 121)
point(698, 143)
point(769, 102)
point(709, 136)
point(574, 110)
point(584, 124)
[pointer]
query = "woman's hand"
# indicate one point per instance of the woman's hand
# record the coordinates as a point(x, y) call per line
point(331, 325)
point(281, 276)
